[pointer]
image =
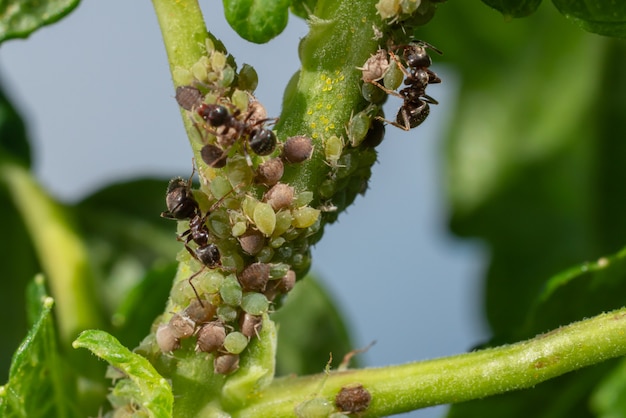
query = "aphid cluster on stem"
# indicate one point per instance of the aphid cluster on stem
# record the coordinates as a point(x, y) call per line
point(248, 232)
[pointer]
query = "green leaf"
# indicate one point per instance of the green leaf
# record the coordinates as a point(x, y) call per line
point(37, 385)
point(534, 158)
point(303, 8)
point(20, 18)
point(144, 302)
point(580, 292)
point(257, 20)
point(609, 398)
point(536, 168)
point(604, 17)
point(514, 8)
point(13, 140)
point(18, 264)
point(310, 327)
point(145, 387)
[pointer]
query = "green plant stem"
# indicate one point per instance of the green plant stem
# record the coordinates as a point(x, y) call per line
point(61, 252)
point(184, 35)
point(327, 91)
point(184, 31)
point(402, 388)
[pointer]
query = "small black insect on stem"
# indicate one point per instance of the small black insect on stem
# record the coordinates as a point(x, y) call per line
point(181, 205)
point(417, 76)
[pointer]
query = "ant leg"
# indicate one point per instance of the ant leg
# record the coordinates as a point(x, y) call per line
point(193, 276)
point(406, 126)
point(402, 68)
point(426, 98)
point(385, 89)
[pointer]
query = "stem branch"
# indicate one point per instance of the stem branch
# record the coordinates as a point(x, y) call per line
point(460, 378)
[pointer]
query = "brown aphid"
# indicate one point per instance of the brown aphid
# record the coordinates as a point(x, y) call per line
point(282, 286)
point(166, 340)
point(279, 196)
point(213, 156)
point(226, 364)
point(352, 399)
point(200, 312)
point(297, 149)
point(375, 67)
point(287, 282)
point(188, 97)
point(211, 337)
point(255, 277)
point(250, 324)
point(252, 241)
point(270, 172)
point(182, 326)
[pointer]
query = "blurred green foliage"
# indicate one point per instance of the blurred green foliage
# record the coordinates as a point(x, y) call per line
point(535, 168)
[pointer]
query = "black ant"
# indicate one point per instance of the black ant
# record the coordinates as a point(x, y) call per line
point(181, 204)
point(417, 76)
point(262, 141)
point(229, 127)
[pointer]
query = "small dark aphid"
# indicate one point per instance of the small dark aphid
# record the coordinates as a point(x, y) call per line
point(166, 340)
point(251, 325)
point(280, 196)
point(288, 282)
point(353, 399)
point(200, 312)
point(375, 67)
point(213, 156)
point(255, 277)
point(297, 149)
point(182, 326)
point(226, 364)
point(188, 97)
point(375, 134)
point(270, 172)
point(252, 241)
point(282, 286)
point(211, 337)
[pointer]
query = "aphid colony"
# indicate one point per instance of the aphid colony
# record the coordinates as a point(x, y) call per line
point(247, 232)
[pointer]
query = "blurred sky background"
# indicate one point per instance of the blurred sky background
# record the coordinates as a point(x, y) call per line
point(97, 97)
